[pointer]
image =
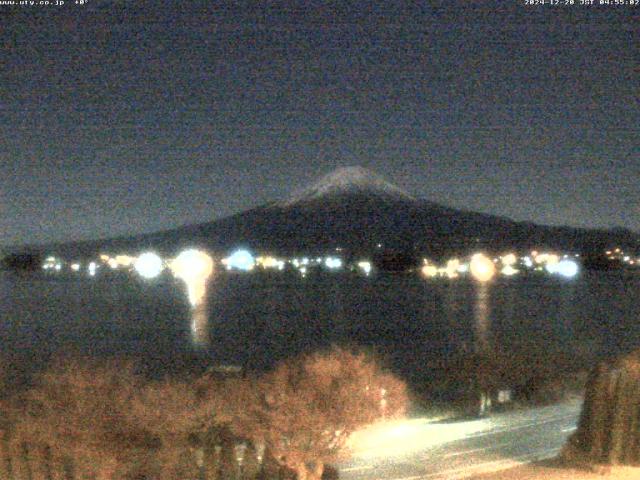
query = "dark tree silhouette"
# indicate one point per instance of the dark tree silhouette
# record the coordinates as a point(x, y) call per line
point(21, 262)
point(609, 427)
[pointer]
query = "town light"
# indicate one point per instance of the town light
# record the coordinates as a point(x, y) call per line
point(509, 271)
point(566, 268)
point(429, 271)
point(509, 259)
point(548, 258)
point(240, 260)
point(148, 265)
point(365, 267)
point(482, 268)
point(333, 263)
point(124, 260)
point(452, 268)
point(269, 262)
point(194, 268)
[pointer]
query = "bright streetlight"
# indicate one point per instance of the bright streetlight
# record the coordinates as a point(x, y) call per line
point(148, 265)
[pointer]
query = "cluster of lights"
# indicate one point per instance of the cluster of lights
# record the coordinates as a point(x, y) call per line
point(114, 263)
point(149, 265)
point(483, 268)
point(193, 267)
point(547, 259)
point(244, 261)
point(56, 265)
point(480, 267)
point(553, 264)
point(52, 263)
point(303, 264)
point(119, 261)
point(452, 269)
point(618, 254)
point(269, 262)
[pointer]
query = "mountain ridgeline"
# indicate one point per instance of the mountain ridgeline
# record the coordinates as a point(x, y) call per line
point(356, 210)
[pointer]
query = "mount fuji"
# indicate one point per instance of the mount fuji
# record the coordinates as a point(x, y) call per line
point(345, 182)
point(359, 211)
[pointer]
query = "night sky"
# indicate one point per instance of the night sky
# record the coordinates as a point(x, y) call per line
point(127, 117)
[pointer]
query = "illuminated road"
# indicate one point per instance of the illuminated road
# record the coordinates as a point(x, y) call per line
point(417, 449)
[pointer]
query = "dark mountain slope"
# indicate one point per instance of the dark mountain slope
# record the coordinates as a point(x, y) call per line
point(357, 210)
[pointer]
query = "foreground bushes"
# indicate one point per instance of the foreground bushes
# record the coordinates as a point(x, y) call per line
point(534, 378)
point(609, 427)
point(84, 419)
point(307, 408)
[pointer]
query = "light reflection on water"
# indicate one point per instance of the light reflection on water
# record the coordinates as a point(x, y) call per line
point(482, 318)
point(255, 320)
point(200, 326)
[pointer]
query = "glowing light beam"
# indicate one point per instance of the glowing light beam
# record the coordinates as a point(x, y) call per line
point(194, 268)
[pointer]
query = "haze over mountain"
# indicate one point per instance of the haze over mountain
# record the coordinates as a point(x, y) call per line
point(359, 211)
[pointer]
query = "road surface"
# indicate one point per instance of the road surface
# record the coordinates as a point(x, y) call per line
point(418, 449)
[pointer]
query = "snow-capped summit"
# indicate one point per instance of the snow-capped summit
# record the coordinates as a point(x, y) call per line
point(348, 180)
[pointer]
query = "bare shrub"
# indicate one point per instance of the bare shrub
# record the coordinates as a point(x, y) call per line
point(180, 416)
point(85, 418)
point(75, 411)
point(307, 407)
point(99, 419)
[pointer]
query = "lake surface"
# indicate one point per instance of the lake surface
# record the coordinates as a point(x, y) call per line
point(256, 319)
